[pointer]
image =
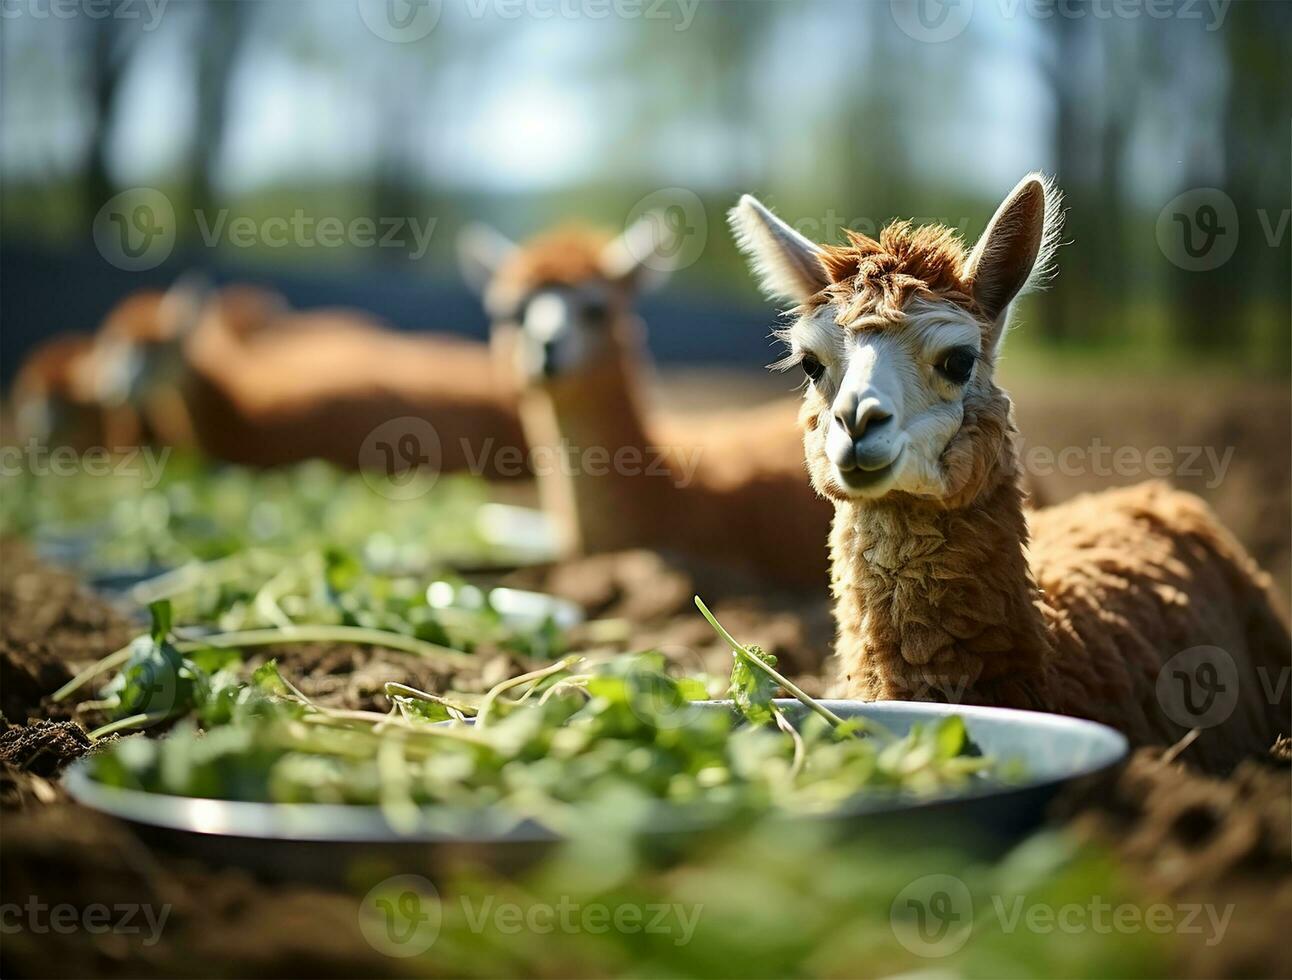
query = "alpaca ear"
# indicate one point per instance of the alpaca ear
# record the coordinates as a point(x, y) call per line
point(1016, 253)
point(787, 265)
point(182, 305)
point(642, 257)
point(481, 251)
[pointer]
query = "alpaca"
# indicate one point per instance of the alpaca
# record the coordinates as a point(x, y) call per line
point(52, 399)
point(260, 384)
point(905, 430)
point(611, 477)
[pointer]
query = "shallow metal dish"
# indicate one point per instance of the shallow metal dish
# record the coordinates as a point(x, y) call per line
point(1052, 749)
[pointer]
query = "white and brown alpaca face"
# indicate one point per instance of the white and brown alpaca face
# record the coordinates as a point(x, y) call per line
point(898, 339)
point(562, 303)
point(139, 350)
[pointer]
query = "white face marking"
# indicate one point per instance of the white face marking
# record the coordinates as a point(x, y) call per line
point(560, 329)
point(890, 409)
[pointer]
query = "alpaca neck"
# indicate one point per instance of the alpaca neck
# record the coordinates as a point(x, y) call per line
point(937, 603)
point(591, 452)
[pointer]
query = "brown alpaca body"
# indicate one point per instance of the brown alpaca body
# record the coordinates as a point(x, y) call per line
point(938, 594)
point(710, 491)
point(938, 604)
point(264, 386)
point(310, 386)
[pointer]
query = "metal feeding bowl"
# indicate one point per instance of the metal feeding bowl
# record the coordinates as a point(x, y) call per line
point(304, 840)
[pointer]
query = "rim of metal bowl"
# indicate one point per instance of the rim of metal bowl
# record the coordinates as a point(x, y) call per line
point(359, 823)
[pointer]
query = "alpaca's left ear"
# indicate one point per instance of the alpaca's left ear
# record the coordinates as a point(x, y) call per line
point(787, 264)
point(640, 258)
point(482, 250)
point(1016, 252)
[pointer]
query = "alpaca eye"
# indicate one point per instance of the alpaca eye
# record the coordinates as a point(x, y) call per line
point(812, 367)
point(957, 365)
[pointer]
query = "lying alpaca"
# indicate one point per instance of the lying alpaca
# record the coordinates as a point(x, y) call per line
point(906, 431)
point(265, 385)
point(52, 399)
point(562, 309)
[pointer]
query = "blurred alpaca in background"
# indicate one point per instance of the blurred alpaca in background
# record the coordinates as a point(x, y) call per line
point(53, 400)
point(238, 375)
point(730, 490)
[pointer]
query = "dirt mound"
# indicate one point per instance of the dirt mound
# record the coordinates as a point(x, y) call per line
point(45, 747)
point(1222, 844)
point(49, 626)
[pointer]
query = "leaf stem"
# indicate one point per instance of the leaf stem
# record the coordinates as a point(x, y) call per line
point(768, 669)
point(330, 634)
point(133, 721)
point(534, 675)
point(114, 659)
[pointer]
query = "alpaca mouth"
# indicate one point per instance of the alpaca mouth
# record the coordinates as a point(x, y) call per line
point(857, 480)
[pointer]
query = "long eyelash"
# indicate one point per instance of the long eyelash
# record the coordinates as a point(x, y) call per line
point(793, 358)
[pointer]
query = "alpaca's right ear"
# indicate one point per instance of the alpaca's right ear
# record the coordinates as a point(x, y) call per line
point(481, 251)
point(787, 265)
point(1016, 253)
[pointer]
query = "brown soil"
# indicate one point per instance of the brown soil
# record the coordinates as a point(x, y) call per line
point(50, 626)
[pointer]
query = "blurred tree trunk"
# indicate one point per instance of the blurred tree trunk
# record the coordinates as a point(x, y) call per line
point(108, 56)
point(221, 30)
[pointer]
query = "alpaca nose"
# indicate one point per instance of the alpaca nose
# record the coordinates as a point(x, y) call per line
point(862, 418)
